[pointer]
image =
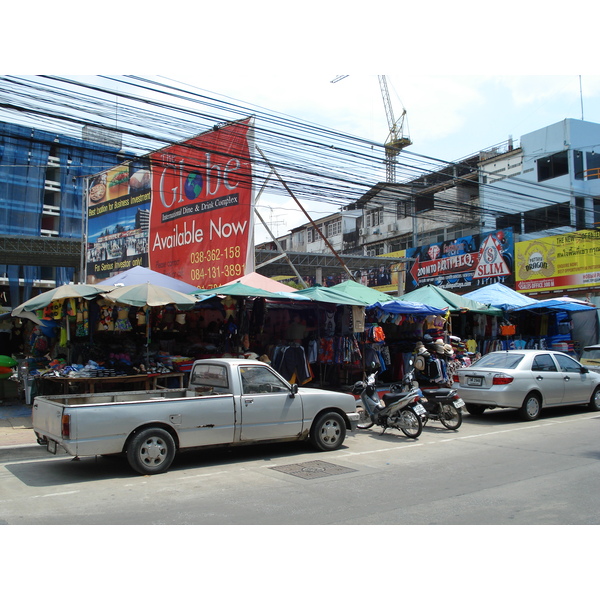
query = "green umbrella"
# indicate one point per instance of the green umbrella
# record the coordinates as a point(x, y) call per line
point(327, 294)
point(441, 298)
point(361, 292)
point(63, 292)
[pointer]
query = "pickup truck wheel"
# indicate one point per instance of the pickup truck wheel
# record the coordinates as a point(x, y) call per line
point(151, 451)
point(328, 432)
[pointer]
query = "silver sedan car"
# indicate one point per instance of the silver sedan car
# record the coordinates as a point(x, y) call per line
point(528, 380)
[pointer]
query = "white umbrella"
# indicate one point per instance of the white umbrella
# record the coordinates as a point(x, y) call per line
point(147, 295)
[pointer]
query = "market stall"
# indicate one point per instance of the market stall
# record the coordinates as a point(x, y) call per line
point(562, 324)
point(475, 323)
point(565, 324)
point(82, 338)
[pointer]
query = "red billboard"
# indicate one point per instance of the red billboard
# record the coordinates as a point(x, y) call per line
point(200, 223)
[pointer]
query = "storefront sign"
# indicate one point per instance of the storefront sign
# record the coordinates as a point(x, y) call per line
point(462, 264)
point(559, 262)
point(185, 211)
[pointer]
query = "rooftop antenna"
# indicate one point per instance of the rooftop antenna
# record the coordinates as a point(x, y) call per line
point(581, 97)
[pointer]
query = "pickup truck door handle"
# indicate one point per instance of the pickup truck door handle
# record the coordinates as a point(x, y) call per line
point(567, 378)
point(248, 400)
point(539, 378)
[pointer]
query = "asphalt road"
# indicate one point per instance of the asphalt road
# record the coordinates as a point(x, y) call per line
point(495, 470)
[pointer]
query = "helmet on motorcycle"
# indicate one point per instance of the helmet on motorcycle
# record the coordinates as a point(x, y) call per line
point(358, 388)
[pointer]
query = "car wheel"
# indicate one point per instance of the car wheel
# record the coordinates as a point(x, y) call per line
point(151, 451)
point(475, 409)
point(595, 400)
point(328, 432)
point(532, 407)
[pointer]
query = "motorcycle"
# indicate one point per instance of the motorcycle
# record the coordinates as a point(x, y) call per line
point(440, 404)
point(400, 410)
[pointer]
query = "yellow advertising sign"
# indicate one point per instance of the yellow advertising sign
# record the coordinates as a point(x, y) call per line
point(558, 262)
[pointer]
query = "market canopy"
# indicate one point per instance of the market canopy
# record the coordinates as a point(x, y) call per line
point(500, 296)
point(256, 280)
point(438, 297)
point(241, 289)
point(138, 274)
point(361, 292)
point(399, 307)
point(328, 294)
point(568, 304)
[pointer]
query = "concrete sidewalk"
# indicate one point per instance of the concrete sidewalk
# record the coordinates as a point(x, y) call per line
point(17, 439)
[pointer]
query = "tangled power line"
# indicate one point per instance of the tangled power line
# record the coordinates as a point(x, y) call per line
point(321, 165)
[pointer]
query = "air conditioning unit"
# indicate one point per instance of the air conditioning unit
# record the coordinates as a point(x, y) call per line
point(362, 231)
point(393, 227)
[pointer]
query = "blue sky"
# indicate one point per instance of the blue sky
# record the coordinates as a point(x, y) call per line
point(469, 75)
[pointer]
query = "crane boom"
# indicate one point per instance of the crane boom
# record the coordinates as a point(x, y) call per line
point(396, 140)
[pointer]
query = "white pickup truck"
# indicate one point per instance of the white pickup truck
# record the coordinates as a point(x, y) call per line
point(229, 401)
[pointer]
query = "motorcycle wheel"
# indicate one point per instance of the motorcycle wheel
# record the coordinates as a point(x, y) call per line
point(411, 426)
point(365, 421)
point(450, 416)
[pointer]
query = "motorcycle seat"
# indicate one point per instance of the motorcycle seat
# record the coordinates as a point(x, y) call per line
point(392, 397)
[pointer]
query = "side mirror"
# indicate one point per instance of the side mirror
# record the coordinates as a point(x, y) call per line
point(294, 389)
point(584, 370)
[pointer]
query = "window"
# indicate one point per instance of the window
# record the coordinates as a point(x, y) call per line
point(424, 202)
point(258, 380)
point(500, 360)
point(553, 166)
point(592, 165)
point(543, 362)
point(578, 164)
point(539, 219)
point(373, 217)
point(334, 228)
point(402, 209)
point(214, 376)
point(579, 213)
point(567, 364)
point(506, 221)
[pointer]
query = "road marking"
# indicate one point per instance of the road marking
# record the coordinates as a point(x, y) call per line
point(56, 494)
point(203, 475)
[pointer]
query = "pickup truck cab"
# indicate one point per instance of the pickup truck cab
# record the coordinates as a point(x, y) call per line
point(228, 402)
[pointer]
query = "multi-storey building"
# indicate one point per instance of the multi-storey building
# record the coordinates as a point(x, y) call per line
point(41, 193)
point(550, 185)
point(547, 185)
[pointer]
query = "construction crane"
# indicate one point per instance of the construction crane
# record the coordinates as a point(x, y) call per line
point(396, 139)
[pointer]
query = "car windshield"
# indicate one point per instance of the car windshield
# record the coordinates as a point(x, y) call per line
point(591, 355)
point(499, 360)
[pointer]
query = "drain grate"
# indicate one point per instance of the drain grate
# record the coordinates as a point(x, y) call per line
point(313, 469)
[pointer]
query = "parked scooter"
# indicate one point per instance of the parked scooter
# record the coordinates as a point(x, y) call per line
point(400, 410)
point(440, 404)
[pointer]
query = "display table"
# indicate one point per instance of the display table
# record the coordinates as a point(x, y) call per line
point(89, 385)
